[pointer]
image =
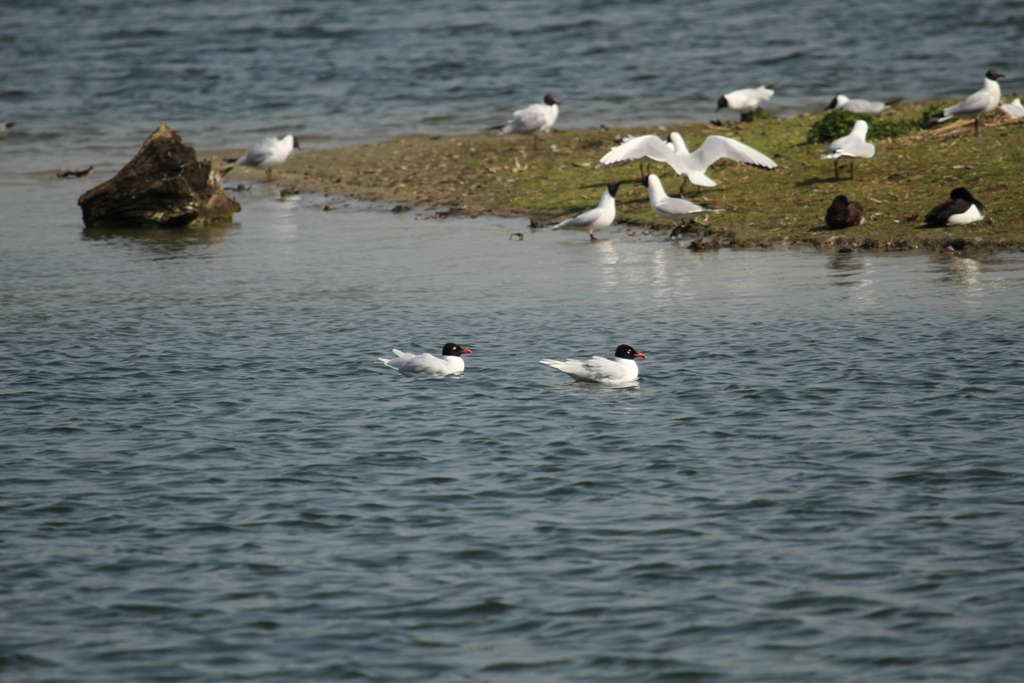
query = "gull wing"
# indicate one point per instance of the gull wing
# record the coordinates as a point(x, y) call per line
point(1013, 109)
point(977, 102)
point(599, 369)
point(849, 146)
point(853, 145)
point(649, 146)
point(527, 120)
point(674, 206)
point(864, 107)
point(717, 147)
point(425, 363)
point(260, 152)
point(584, 220)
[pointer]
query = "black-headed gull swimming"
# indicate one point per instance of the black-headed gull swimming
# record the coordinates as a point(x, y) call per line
point(450, 362)
point(267, 154)
point(693, 166)
point(596, 219)
point(843, 213)
point(854, 145)
point(621, 370)
point(960, 209)
point(5, 128)
point(1014, 109)
point(537, 118)
point(978, 104)
point(857, 106)
point(669, 207)
point(747, 100)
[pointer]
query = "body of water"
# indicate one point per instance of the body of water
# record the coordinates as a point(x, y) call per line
point(87, 81)
point(207, 477)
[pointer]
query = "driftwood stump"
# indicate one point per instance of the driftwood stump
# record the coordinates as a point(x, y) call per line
point(163, 186)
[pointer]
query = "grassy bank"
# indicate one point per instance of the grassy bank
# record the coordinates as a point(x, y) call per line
point(488, 173)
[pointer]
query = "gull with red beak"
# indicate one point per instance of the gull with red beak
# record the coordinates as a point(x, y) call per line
point(450, 362)
point(599, 370)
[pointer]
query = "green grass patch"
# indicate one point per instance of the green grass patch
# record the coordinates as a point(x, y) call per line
point(839, 122)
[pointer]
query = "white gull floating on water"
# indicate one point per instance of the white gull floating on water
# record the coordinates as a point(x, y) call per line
point(450, 362)
point(598, 370)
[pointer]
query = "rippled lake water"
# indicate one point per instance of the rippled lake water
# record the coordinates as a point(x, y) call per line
point(206, 477)
point(97, 77)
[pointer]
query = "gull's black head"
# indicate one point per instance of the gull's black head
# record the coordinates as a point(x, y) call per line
point(722, 103)
point(961, 193)
point(628, 352)
point(453, 350)
point(994, 75)
point(613, 188)
point(550, 99)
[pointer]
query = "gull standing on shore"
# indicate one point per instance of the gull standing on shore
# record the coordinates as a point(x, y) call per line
point(978, 104)
point(857, 106)
point(747, 100)
point(669, 207)
point(532, 120)
point(596, 219)
point(854, 145)
point(266, 154)
point(692, 167)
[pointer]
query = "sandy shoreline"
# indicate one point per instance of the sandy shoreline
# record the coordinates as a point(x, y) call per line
point(491, 174)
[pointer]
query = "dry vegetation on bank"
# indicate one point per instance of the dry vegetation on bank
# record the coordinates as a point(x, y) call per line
point(492, 174)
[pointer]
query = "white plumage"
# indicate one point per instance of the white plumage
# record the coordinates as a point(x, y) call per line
point(450, 362)
point(854, 145)
point(537, 118)
point(267, 154)
point(1014, 109)
point(597, 218)
point(693, 165)
point(747, 100)
point(670, 207)
point(857, 106)
point(979, 103)
point(620, 370)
